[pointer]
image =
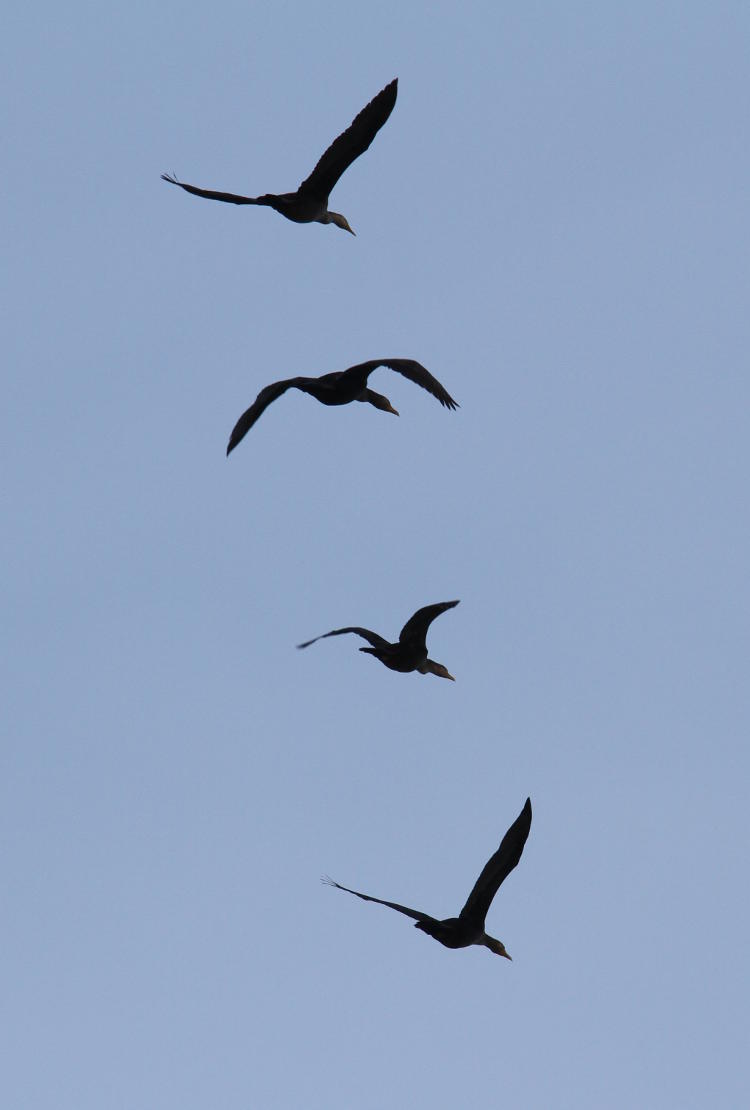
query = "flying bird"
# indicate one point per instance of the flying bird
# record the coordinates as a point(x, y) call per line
point(410, 653)
point(468, 927)
point(341, 387)
point(310, 202)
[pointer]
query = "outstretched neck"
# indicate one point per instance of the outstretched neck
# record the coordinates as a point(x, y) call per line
point(495, 946)
point(378, 400)
point(431, 667)
point(337, 219)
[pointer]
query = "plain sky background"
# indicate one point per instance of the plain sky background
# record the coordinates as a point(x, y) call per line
point(554, 220)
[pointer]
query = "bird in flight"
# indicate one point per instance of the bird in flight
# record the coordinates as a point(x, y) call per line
point(468, 927)
point(341, 387)
point(310, 202)
point(410, 653)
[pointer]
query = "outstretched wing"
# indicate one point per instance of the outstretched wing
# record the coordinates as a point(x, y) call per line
point(498, 867)
point(416, 626)
point(211, 194)
point(350, 144)
point(408, 368)
point(371, 637)
point(417, 915)
point(259, 406)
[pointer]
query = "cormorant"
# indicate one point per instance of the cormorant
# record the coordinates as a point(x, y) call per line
point(341, 387)
point(310, 202)
point(468, 927)
point(410, 653)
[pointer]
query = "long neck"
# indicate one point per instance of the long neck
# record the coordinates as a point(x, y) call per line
point(495, 946)
point(431, 667)
point(336, 218)
point(378, 400)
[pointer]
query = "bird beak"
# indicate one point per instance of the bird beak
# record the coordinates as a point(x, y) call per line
point(337, 219)
point(431, 667)
point(391, 409)
point(497, 947)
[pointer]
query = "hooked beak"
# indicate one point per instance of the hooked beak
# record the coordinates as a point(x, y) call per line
point(391, 409)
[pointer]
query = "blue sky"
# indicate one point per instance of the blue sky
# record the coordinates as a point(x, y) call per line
point(555, 221)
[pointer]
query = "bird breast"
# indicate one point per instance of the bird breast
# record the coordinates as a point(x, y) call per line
point(405, 659)
point(301, 208)
point(451, 932)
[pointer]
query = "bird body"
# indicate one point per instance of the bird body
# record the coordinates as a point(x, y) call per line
point(468, 927)
point(401, 657)
point(300, 208)
point(337, 388)
point(341, 387)
point(309, 204)
point(409, 653)
point(449, 932)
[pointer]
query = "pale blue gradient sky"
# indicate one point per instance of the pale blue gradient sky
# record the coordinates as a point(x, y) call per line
point(555, 221)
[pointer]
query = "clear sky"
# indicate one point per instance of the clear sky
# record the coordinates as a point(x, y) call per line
point(555, 222)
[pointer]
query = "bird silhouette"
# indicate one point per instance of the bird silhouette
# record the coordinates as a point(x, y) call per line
point(410, 652)
point(340, 388)
point(310, 202)
point(468, 927)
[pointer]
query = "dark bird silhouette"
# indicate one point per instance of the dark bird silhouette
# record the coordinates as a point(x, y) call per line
point(468, 927)
point(410, 653)
point(341, 387)
point(310, 202)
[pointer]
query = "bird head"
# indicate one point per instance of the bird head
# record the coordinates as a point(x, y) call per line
point(431, 667)
point(341, 221)
point(379, 401)
point(497, 947)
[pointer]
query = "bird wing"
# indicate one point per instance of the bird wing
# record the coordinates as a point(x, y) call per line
point(211, 194)
point(416, 626)
point(498, 867)
point(371, 637)
point(259, 406)
point(417, 373)
point(417, 915)
point(408, 368)
point(350, 144)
